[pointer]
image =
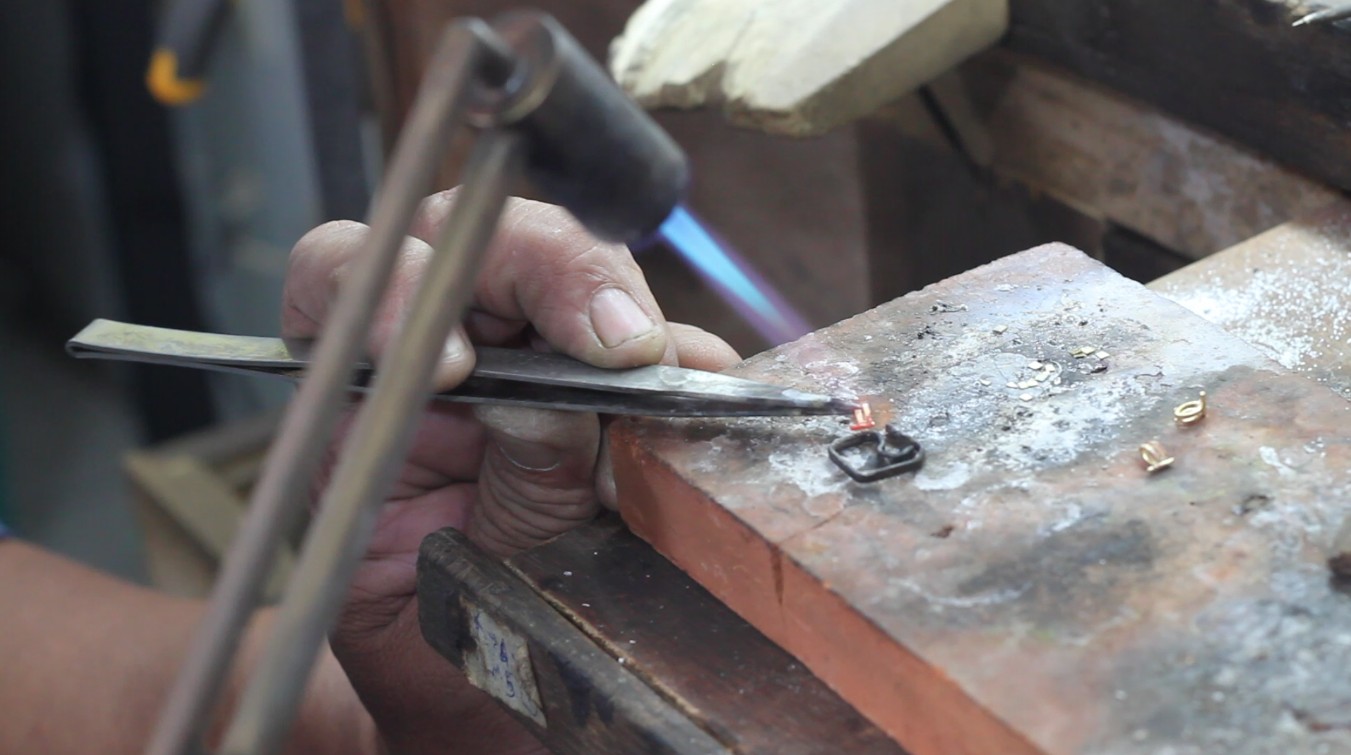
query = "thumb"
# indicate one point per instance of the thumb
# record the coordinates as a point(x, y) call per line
point(538, 476)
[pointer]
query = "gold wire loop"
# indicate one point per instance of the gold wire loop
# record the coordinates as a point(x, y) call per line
point(1154, 456)
point(1191, 412)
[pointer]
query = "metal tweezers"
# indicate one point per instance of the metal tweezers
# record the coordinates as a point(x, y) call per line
point(501, 376)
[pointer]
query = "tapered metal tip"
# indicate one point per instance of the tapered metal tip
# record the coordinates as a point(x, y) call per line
point(844, 405)
point(1324, 16)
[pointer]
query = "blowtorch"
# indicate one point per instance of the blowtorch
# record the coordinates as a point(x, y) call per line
point(542, 110)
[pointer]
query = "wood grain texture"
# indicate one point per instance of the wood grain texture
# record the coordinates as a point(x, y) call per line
point(591, 704)
point(1235, 66)
point(1032, 589)
point(704, 659)
point(191, 493)
point(1121, 160)
point(796, 69)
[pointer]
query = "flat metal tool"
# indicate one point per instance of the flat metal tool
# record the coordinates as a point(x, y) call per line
point(501, 376)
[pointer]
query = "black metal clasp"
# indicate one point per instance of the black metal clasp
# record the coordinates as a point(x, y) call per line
point(874, 455)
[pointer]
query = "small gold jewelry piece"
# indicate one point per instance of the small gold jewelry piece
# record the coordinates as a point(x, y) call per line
point(1191, 412)
point(1154, 456)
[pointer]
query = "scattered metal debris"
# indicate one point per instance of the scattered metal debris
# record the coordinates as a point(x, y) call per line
point(1154, 456)
point(892, 452)
point(1191, 412)
point(943, 306)
point(1252, 503)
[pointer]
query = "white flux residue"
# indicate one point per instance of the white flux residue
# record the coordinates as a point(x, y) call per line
point(1280, 307)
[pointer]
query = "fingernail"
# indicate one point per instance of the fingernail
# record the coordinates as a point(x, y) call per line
point(534, 457)
point(456, 347)
point(617, 318)
point(457, 359)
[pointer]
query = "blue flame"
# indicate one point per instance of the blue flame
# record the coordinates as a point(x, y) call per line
point(752, 296)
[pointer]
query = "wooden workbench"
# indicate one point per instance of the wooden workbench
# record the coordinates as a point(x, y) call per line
point(640, 619)
point(1033, 588)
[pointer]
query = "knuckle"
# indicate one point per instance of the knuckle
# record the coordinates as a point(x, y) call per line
point(322, 238)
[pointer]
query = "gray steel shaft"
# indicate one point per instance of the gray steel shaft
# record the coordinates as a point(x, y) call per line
point(374, 450)
point(312, 415)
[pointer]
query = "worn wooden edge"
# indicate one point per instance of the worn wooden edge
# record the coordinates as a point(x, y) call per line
point(731, 56)
point(907, 698)
point(590, 703)
point(1111, 157)
point(690, 647)
point(1236, 67)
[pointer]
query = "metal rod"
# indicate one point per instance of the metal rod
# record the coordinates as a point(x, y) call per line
point(311, 417)
point(375, 449)
point(1325, 16)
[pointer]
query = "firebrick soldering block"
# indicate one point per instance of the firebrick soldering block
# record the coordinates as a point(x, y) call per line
point(1032, 588)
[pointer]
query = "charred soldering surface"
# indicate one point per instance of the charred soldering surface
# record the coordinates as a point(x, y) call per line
point(1033, 588)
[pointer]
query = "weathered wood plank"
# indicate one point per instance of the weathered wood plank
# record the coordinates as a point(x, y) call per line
point(797, 69)
point(699, 655)
point(1033, 589)
point(1235, 66)
point(1120, 160)
point(573, 696)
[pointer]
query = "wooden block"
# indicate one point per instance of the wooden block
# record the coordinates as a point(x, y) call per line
point(1033, 588)
point(1236, 67)
point(798, 69)
point(191, 493)
point(555, 680)
point(1122, 160)
point(706, 661)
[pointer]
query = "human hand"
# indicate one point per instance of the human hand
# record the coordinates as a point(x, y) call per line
point(511, 478)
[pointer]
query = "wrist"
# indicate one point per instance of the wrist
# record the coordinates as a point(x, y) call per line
point(329, 719)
